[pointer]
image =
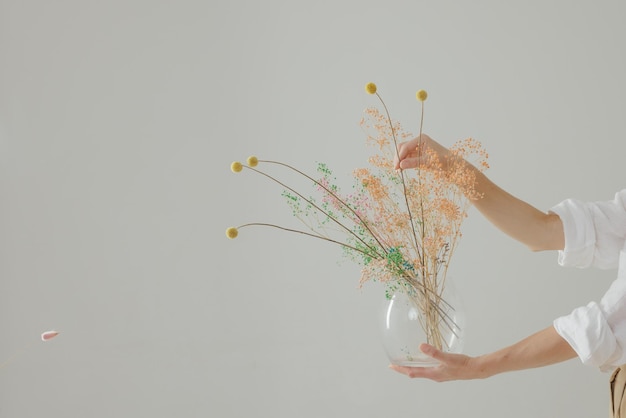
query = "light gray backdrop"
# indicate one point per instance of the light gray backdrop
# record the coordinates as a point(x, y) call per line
point(118, 123)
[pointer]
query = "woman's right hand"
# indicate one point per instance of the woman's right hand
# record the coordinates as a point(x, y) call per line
point(411, 156)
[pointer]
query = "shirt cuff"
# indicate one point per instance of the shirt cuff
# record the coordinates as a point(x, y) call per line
point(579, 233)
point(586, 330)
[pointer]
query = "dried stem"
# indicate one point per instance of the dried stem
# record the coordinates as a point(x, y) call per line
point(310, 202)
point(395, 146)
point(330, 192)
point(297, 231)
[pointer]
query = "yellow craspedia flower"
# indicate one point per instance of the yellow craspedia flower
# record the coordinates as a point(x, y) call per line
point(253, 161)
point(421, 95)
point(236, 167)
point(370, 88)
point(232, 232)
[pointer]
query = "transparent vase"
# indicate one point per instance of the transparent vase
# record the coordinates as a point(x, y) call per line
point(410, 318)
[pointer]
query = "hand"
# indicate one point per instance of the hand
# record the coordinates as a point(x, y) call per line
point(540, 349)
point(409, 154)
point(451, 367)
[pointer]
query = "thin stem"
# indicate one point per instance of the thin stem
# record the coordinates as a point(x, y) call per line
point(362, 221)
point(306, 233)
point(419, 185)
point(406, 198)
point(318, 208)
point(434, 295)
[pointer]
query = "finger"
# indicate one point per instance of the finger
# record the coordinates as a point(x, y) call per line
point(396, 162)
point(434, 353)
point(405, 149)
point(445, 359)
point(417, 372)
point(400, 155)
point(409, 163)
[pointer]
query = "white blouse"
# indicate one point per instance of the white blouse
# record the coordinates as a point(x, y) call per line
point(595, 235)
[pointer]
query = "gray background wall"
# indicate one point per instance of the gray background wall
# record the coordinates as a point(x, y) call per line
point(118, 122)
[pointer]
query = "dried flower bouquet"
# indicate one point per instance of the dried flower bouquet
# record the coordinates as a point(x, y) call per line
point(401, 226)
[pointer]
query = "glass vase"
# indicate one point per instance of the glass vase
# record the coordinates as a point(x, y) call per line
point(412, 316)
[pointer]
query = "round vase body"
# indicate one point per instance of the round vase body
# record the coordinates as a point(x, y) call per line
point(408, 321)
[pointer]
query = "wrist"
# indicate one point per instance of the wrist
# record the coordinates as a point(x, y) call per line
point(483, 366)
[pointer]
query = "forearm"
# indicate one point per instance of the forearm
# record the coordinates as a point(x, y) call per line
point(516, 218)
point(544, 348)
point(535, 229)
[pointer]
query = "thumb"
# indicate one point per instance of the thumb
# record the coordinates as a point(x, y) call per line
point(409, 163)
point(431, 351)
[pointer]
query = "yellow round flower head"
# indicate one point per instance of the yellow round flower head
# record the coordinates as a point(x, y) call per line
point(253, 161)
point(421, 95)
point(232, 232)
point(236, 167)
point(370, 88)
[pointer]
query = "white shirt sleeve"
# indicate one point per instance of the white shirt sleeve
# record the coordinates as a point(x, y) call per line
point(587, 331)
point(594, 231)
point(595, 235)
point(597, 332)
